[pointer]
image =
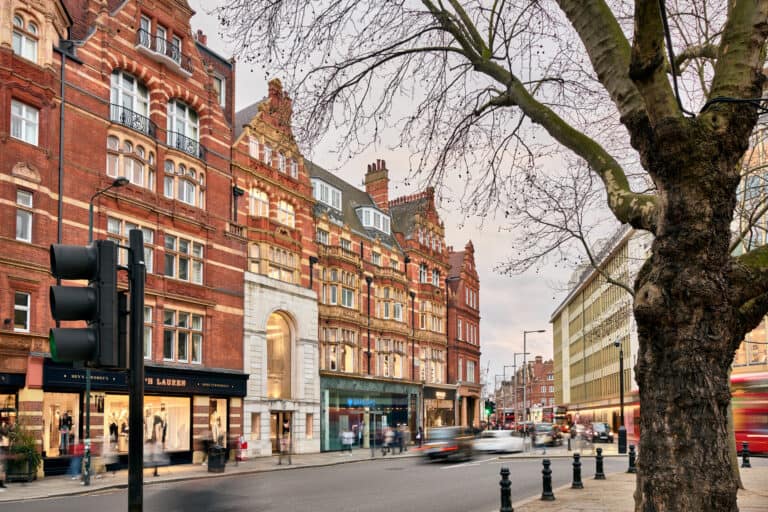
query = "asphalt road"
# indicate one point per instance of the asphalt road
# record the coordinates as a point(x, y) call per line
point(383, 485)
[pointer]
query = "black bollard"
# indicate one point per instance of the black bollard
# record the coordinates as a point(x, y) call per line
point(577, 472)
point(569, 443)
point(599, 475)
point(632, 468)
point(745, 455)
point(506, 491)
point(547, 494)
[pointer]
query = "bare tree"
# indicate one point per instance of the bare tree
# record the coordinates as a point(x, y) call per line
point(485, 90)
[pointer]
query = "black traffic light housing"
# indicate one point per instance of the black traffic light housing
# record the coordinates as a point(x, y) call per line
point(98, 344)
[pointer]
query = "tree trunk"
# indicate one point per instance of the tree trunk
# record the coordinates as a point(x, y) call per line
point(686, 328)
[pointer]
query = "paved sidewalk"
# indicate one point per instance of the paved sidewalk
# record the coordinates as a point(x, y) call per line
point(615, 494)
point(611, 495)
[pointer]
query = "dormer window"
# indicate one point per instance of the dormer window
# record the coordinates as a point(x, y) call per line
point(373, 218)
point(325, 193)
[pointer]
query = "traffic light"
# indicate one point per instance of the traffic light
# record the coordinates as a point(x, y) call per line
point(490, 407)
point(96, 304)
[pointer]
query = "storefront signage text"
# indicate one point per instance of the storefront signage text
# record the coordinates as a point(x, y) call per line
point(361, 402)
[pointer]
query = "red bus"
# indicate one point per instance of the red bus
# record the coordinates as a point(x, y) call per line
point(750, 410)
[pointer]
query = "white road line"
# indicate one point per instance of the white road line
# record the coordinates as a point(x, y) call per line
point(470, 463)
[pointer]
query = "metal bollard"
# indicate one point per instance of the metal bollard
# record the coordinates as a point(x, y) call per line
point(547, 494)
point(599, 475)
point(632, 468)
point(745, 455)
point(577, 472)
point(569, 443)
point(506, 491)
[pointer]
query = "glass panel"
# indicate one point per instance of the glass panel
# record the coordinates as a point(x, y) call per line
point(183, 341)
point(278, 357)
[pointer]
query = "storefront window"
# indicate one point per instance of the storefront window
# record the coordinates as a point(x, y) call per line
point(61, 416)
point(350, 410)
point(278, 357)
point(7, 409)
point(166, 421)
point(217, 419)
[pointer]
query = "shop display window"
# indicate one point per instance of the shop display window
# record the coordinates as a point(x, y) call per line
point(61, 417)
point(7, 409)
point(166, 422)
point(217, 420)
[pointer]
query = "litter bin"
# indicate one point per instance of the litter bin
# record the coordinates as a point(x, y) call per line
point(216, 459)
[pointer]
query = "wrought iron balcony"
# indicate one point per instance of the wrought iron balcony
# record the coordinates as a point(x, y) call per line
point(160, 46)
point(131, 119)
point(185, 144)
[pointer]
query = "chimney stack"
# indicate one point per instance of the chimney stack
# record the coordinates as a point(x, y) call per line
point(377, 184)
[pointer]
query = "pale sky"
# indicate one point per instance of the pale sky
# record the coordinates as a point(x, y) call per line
point(508, 305)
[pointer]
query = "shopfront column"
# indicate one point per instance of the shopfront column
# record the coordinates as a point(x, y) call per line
point(30, 416)
point(200, 426)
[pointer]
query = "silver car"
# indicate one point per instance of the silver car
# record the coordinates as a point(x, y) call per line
point(498, 441)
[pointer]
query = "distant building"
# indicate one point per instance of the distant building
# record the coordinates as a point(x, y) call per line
point(585, 326)
point(464, 334)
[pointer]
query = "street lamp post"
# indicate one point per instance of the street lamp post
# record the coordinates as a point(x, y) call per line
point(504, 392)
point(118, 182)
point(517, 417)
point(622, 429)
point(525, 372)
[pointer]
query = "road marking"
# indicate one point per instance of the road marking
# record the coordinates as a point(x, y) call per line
point(470, 463)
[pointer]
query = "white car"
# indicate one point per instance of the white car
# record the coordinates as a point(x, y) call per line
point(498, 441)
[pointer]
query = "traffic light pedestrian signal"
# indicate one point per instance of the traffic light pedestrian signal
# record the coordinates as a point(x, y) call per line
point(96, 304)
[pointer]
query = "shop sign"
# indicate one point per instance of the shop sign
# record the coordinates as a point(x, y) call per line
point(155, 381)
point(15, 380)
point(361, 402)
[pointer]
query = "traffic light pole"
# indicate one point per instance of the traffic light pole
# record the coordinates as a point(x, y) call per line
point(136, 273)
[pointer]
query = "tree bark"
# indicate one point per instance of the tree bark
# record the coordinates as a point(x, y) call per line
point(687, 328)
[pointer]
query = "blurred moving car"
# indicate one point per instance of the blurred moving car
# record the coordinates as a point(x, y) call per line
point(546, 434)
point(448, 443)
point(601, 432)
point(498, 441)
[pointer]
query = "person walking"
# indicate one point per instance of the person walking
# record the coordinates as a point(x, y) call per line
point(285, 442)
point(420, 437)
point(5, 442)
point(76, 461)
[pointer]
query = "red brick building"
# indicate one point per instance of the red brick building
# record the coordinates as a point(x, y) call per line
point(464, 333)
point(145, 100)
point(539, 384)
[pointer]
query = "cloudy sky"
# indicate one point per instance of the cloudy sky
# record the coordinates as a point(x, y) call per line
point(508, 305)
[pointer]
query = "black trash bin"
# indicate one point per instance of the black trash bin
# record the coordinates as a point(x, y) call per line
point(217, 457)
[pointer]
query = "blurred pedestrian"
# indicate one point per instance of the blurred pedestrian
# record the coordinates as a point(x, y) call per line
point(347, 439)
point(420, 437)
point(76, 461)
point(207, 443)
point(285, 442)
point(5, 441)
point(398, 439)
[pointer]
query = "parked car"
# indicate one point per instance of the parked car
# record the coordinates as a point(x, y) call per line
point(498, 441)
point(448, 443)
point(546, 434)
point(601, 432)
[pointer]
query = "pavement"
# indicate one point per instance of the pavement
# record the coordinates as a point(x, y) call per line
point(611, 495)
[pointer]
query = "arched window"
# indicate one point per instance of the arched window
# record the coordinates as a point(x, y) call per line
point(259, 203)
point(278, 357)
point(131, 161)
point(184, 184)
point(129, 100)
point(285, 214)
point(25, 38)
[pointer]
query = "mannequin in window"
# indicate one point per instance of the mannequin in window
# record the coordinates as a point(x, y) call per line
point(65, 427)
point(113, 422)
